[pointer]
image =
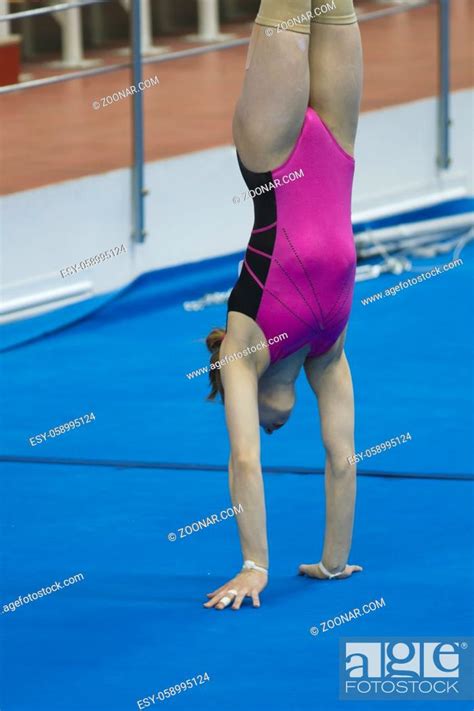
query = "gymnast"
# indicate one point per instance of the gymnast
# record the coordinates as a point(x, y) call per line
point(298, 110)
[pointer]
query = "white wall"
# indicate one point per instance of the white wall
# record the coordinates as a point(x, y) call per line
point(397, 151)
point(190, 214)
point(45, 230)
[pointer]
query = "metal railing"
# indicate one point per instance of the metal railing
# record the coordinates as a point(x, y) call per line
point(138, 191)
point(49, 9)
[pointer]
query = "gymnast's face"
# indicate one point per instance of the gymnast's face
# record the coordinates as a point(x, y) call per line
point(275, 406)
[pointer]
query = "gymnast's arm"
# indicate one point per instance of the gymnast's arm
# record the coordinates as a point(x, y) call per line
point(240, 382)
point(330, 379)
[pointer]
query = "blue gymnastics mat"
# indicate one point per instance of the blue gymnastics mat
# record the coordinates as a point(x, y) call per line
point(134, 625)
point(411, 357)
point(102, 499)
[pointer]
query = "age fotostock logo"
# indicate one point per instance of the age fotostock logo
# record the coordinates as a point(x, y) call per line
point(406, 669)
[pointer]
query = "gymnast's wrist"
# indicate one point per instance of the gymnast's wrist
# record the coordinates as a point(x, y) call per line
point(331, 571)
point(252, 565)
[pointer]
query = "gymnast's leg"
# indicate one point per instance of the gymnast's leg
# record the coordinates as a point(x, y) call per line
point(275, 94)
point(335, 60)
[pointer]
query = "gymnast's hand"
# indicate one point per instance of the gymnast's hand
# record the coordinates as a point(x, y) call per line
point(248, 583)
point(314, 571)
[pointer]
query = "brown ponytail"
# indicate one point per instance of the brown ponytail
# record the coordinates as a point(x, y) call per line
point(213, 343)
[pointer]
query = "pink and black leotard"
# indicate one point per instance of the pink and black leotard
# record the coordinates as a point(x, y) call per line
point(299, 268)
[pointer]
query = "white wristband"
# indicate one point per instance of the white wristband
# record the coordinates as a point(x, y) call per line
point(326, 572)
point(250, 565)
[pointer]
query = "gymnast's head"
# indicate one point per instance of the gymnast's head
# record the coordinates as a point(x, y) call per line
point(276, 399)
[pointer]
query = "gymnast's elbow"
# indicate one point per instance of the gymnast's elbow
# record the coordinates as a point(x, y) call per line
point(245, 463)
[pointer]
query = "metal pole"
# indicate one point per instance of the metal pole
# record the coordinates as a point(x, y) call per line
point(444, 122)
point(146, 25)
point(71, 41)
point(208, 19)
point(208, 23)
point(138, 150)
point(71, 38)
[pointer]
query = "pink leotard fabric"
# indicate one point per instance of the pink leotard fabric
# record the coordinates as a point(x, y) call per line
point(299, 268)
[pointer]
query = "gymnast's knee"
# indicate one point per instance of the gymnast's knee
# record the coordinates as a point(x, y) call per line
point(333, 12)
point(252, 136)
